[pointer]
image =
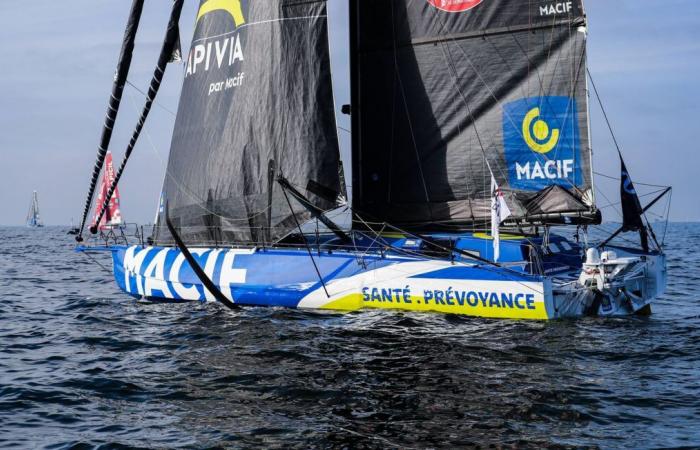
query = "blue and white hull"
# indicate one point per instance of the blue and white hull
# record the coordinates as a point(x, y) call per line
point(353, 281)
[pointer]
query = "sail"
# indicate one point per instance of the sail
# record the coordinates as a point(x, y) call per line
point(629, 200)
point(33, 216)
point(447, 91)
point(112, 215)
point(632, 211)
point(256, 104)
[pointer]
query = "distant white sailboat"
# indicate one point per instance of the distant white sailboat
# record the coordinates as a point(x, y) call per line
point(33, 216)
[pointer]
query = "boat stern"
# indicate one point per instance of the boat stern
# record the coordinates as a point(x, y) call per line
point(623, 281)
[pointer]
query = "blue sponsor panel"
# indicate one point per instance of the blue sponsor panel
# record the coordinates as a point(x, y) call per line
point(542, 143)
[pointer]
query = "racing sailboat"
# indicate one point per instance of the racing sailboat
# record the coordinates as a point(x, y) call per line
point(33, 217)
point(112, 216)
point(470, 143)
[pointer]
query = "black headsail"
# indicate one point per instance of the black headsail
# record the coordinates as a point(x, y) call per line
point(257, 104)
point(447, 92)
point(120, 78)
point(632, 212)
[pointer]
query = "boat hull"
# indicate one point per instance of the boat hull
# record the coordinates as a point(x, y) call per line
point(287, 278)
point(353, 281)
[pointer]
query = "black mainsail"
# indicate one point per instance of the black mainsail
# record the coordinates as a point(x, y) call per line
point(447, 93)
point(256, 105)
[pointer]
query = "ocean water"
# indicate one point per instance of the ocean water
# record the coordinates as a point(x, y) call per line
point(84, 366)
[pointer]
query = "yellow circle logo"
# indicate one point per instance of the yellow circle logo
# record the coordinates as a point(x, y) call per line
point(233, 7)
point(537, 134)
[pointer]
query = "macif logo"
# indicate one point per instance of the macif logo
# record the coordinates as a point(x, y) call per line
point(455, 5)
point(542, 143)
point(233, 7)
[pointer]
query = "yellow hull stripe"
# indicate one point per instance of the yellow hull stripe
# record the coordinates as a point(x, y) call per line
point(355, 302)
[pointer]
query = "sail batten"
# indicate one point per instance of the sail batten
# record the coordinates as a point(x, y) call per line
point(442, 98)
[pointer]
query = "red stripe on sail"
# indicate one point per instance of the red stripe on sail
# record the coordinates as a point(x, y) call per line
point(113, 215)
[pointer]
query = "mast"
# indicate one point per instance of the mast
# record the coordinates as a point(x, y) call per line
point(120, 78)
point(587, 98)
point(355, 106)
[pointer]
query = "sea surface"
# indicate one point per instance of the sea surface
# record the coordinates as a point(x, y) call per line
point(84, 366)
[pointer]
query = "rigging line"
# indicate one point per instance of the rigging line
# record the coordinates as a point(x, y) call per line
point(551, 81)
point(450, 64)
point(493, 95)
point(618, 237)
point(422, 257)
point(657, 216)
point(636, 182)
point(610, 202)
point(434, 243)
point(132, 85)
point(570, 112)
point(605, 114)
point(306, 243)
point(311, 208)
point(607, 121)
point(260, 22)
point(478, 74)
point(467, 164)
point(621, 229)
point(489, 265)
point(377, 235)
point(408, 114)
point(181, 187)
point(100, 265)
point(668, 213)
point(527, 54)
point(454, 78)
point(648, 194)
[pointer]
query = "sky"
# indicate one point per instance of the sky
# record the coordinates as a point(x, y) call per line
point(58, 60)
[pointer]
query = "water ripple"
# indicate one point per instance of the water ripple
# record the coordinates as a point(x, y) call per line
point(83, 366)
